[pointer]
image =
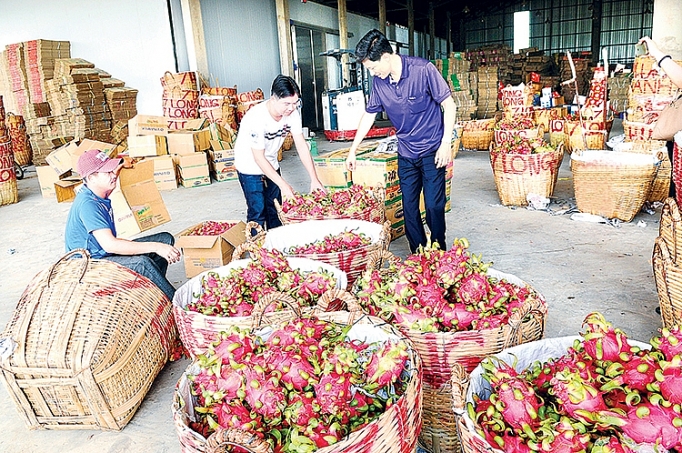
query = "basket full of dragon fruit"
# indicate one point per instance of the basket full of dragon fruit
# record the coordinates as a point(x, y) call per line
point(508, 129)
point(523, 166)
point(355, 202)
point(337, 382)
point(343, 243)
point(219, 298)
point(597, 393)
point(456, 310)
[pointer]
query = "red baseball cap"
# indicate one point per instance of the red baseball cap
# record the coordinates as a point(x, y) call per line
point(94, 161)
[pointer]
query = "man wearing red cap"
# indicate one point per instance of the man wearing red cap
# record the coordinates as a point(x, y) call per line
point(90, 225)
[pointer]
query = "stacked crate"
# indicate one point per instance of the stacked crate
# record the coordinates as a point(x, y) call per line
point(498, 55)
point(488, 84)
point(15, 70)
point(40, 56)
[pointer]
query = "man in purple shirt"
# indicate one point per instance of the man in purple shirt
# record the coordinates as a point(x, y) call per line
point(412, 92)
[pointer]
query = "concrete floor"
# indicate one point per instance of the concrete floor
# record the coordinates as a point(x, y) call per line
point(578, 266)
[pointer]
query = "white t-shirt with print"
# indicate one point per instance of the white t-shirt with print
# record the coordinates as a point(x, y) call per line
point(259, 130)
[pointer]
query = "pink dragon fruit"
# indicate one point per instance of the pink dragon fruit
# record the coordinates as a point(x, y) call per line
point(386, 365)
point(669, 342)
point(233, 414)
point(565, 437)
point(517, 402)
point(233, 345)
point(451, 266)
point(669, 378)
point(294, 371)
point(415, 318)
point(264, 395)
point(473, 288)
point(301, 411)
point(602, 341)
point(648, 423)
point(636, 374)
point(332, 393)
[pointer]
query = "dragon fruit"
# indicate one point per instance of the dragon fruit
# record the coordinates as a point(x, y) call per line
point(301, 386)
point(473, 288)
point(440, 291)
point(669, 342)
point(602, 341)
point(602, 396)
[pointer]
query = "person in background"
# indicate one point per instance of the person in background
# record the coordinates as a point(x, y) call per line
point(90, 225)
point(674, 72)
point(418, 101)
point(261, 134)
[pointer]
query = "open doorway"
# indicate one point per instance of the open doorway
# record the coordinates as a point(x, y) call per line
point(310, 73)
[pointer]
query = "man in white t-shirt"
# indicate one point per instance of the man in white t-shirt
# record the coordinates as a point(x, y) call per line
point(261, 134)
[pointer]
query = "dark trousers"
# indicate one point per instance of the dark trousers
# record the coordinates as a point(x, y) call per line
point(417, 175)
point(260, 194)
point(150, 265)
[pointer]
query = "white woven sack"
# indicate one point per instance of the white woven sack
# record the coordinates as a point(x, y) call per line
point(186, 293)
point(309, 231)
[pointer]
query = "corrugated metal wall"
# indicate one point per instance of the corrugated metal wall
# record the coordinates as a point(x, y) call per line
point(241, 42)
point(566, 25)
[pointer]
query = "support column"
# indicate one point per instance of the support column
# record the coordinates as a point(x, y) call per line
point(666, 30)
point(382, 16)
point(449, 33)
point(596, 30)
point(196, 46)
point(286, 54)
point(410, 26)
point(343, 42)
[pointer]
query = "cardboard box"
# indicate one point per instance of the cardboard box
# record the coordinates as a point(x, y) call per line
point(61, 159)
point(188, 142)
point(222, 134)
point(331, 168)
point(394, 211)
point(220, 145)
point(397, 230)
point(47, 176)
point(164, 172)
point(66, 189)
point(147, 125)
point(195, 182)
point(221, 155)
point(147, 145)
point(376, 169)
point(136, 202)
point(202, 253)
point(192, 166)
point(225, 176)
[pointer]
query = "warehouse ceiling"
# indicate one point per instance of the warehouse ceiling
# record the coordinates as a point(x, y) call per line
point(396, 11)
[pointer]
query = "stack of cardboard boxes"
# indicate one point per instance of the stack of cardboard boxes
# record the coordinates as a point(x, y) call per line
point(221, 154)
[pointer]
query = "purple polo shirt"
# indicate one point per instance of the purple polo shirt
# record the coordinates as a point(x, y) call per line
point(413, 105)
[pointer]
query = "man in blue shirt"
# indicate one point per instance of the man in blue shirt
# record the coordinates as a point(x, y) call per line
point(412, 93)
point(90, 225)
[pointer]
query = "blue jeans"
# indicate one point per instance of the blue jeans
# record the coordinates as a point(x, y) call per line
point(415, 175)
point(260, 193)
point(149, 265)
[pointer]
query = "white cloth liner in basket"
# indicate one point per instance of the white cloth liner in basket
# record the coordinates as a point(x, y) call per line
point(615, 158)
point(309, 231)
point(186, 293)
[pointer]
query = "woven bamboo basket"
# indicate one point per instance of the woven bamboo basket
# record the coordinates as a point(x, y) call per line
point(21, 147)
point(612, 185)
point(660, 186)
point(543, 117)
point(517, 175)
point(635, 131)
point(668, 277)
point(395, 431)
point(375, 213)
point(466, 384)
point(352, 262)
point(90, 336)
point(670, 228)
point(8, 179)
point(440, 351)
point(477, 134)
point(197, 330)
point(507, 135)
point(182, 80)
